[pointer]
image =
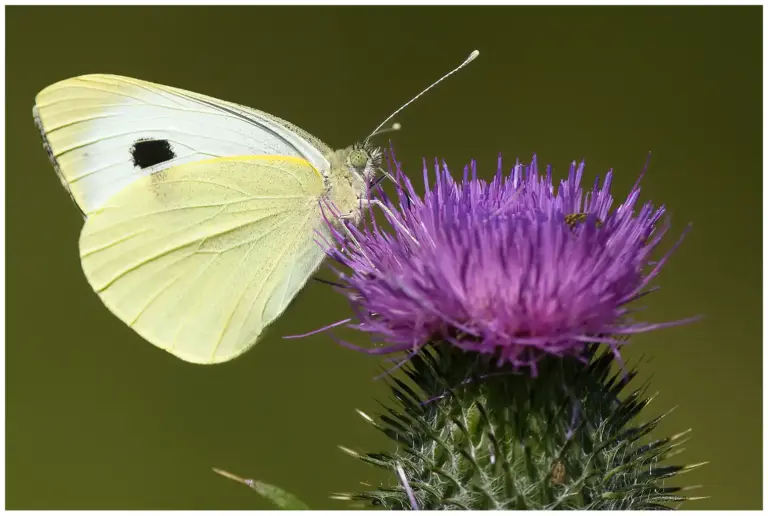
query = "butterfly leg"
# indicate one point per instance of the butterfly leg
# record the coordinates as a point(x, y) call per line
point(387, 175)
point(351, 235)
point(390, 215)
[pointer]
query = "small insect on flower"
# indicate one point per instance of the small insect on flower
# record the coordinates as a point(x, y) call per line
point(512, 267)
point(574, 218)
point(558, 473)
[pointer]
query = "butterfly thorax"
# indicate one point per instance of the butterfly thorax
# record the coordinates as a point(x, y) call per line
point(348, 179)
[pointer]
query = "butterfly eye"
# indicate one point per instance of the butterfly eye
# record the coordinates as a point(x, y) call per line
point(358, 159)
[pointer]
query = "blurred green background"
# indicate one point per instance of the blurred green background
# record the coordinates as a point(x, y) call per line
point(97, 418)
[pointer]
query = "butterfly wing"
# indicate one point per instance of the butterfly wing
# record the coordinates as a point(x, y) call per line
point(199, 258)
point(102, 132)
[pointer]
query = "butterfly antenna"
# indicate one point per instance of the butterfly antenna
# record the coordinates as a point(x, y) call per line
point(468, 60)
point(394, 127)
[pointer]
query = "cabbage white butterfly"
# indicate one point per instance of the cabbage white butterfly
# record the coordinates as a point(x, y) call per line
point(200, 214)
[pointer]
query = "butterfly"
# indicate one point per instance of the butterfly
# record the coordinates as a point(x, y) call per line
point(202, 216)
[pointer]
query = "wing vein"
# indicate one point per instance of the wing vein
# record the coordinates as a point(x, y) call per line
point(120, 240)
point(155, 296)
point(190, 311)
point(157, 255)
point(242, 293)
point(81, 120)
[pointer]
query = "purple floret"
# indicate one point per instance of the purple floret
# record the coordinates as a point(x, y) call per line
point(511, 267)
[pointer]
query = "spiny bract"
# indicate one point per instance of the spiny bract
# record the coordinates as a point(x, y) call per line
point(475, 436)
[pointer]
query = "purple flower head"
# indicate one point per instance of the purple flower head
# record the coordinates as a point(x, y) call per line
point(513, 267)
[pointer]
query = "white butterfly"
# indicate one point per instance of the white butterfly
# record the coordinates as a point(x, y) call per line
point(201, 216)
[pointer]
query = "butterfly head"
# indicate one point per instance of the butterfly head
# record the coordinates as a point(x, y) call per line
point(364, 161)
point(350, 177)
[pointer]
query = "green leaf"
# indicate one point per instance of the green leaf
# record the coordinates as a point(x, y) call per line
point(281, 498)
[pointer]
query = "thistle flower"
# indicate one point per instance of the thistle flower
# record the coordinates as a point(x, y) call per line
point(512, 267)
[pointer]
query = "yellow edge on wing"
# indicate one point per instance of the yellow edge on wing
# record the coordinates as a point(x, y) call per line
point(256, 157)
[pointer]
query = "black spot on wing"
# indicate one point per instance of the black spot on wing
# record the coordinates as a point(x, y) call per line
point(146, 153)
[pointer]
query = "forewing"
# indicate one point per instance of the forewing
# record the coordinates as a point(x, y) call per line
point(102, 132)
